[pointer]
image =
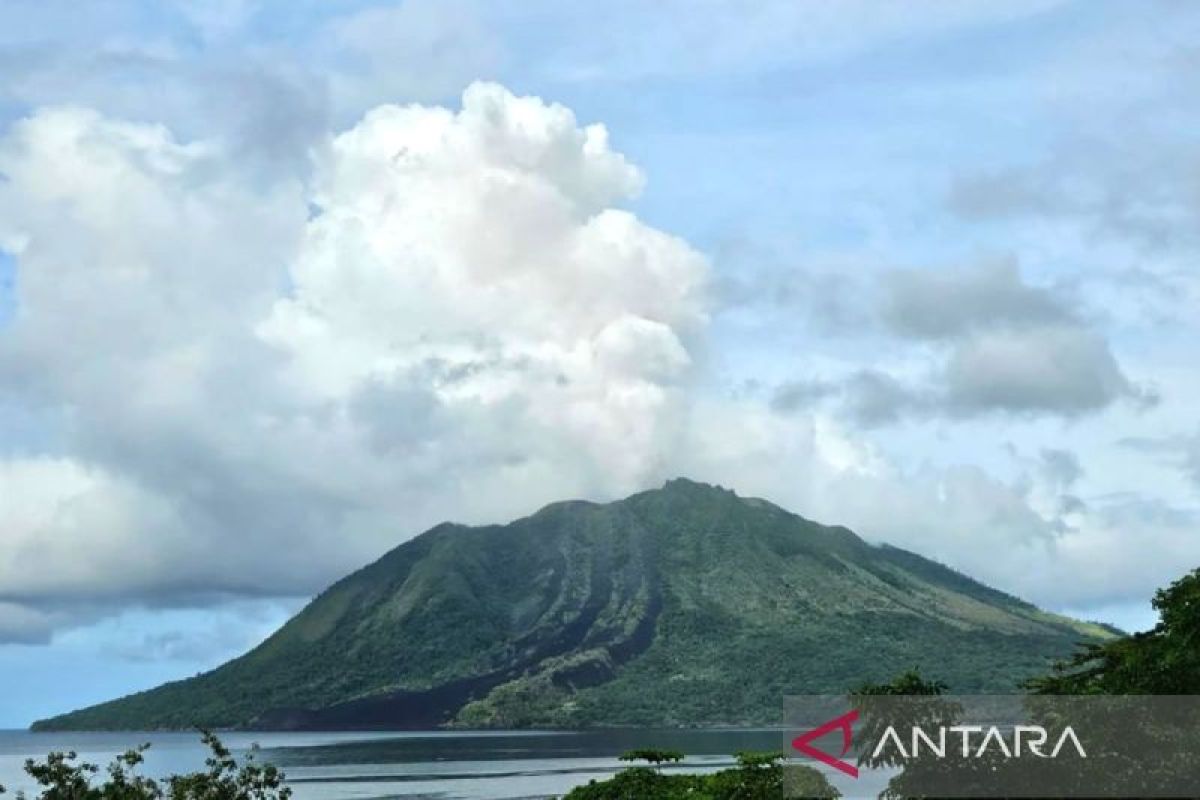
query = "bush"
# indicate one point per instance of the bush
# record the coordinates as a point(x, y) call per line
point(60, 778)
point(758, 776)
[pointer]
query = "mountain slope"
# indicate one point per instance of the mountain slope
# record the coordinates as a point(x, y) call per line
point(682, 605)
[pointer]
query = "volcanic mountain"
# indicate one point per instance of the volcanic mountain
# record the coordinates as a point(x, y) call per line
point(684, 605)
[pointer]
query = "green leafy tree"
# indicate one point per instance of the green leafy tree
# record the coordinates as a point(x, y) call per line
point(1165, 660)
point(228, 780)
point(1162, 661)
point(758, 776)
point(907, 683)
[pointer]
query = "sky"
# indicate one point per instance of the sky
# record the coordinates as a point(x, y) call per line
point(283, 284)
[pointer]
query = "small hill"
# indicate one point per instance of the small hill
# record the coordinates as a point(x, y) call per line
point(685, 605)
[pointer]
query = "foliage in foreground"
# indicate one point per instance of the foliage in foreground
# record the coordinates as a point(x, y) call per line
point(758, 776)
point(61, 778)
point(1164, 660)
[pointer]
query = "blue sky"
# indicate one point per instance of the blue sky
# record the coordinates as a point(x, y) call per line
point(927, 270)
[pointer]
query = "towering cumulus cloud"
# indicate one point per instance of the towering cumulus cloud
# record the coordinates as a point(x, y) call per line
point(450, 317)
point(474, 265)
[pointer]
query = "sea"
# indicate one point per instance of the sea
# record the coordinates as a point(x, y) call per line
point(441, 765)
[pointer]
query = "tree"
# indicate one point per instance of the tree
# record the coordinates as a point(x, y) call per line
point(907, 683)
point(1092, 689)
point(1165, 660)
point(653, 756)
point(61, 778)
point(758, 776)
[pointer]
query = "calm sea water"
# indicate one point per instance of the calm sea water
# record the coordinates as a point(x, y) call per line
point(435, 764)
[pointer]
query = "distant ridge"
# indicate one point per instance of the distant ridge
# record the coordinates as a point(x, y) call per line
point(684, 605)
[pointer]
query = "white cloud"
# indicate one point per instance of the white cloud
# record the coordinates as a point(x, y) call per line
point(479, 253)
point(469, 327)
point(258, 384)
point(53, 511)
point(1058, 369)
point(1019, 535)
point(945, 304)
point(23, 624)
point(1000, 345)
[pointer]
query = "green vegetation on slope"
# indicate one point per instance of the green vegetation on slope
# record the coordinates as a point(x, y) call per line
point(683, 605)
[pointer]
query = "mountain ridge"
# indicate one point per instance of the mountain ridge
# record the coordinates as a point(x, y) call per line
point(683, 605)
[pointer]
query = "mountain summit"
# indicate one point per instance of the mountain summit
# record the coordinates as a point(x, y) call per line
point(685, 605)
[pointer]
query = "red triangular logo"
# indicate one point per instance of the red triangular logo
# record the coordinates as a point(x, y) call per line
point(844, 723)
